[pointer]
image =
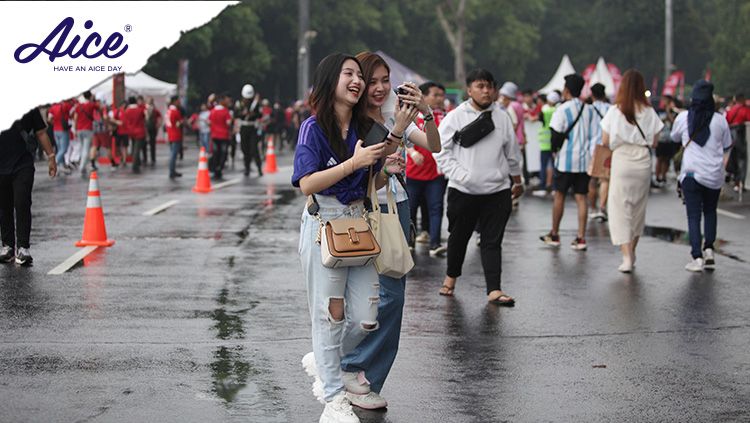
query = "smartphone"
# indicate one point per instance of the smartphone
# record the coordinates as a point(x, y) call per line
point(377, 134)
point(401, 91)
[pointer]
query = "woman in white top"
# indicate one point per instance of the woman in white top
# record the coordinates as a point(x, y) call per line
point(706, 138)
point(630, 129)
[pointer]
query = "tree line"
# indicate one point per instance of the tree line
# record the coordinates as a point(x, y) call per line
point(256, 41)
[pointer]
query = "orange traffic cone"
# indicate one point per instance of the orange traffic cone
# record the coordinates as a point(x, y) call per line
point(94, 231)
point(270, 166)
point(203, 182)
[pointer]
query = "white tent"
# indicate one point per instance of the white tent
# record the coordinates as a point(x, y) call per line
point(601, 75)
point(139, 83)
point(558, 79)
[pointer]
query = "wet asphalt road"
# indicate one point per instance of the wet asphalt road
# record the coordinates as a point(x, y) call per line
point(199, 314)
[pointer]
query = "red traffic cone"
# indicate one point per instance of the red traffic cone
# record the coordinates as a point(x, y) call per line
point(94, 230)
point(270, 166)
point(203, 181)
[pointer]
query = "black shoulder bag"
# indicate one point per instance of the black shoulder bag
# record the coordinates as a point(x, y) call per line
point(475, 131)
point(557, 139)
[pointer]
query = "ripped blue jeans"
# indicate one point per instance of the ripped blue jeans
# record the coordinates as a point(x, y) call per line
point(357, 287)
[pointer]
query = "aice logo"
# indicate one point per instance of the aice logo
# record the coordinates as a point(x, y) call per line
point(61, 32)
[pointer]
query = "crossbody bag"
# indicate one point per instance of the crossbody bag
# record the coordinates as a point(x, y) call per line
point(344, 242)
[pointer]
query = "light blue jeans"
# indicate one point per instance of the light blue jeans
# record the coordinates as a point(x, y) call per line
point(85, 136)
point(376, 354)
point(62, 139)
point(357, 286)
point(205, 140)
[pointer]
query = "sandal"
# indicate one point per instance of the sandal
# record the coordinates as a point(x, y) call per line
point(504, 300)
point(446, 290)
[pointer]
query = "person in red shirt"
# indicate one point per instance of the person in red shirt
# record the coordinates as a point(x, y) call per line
point(135, 122)
point(220, 121)
point(120, 132)
point(59, 114)
point(83, 116)
point(424, 183)
point(737, 116)
point(174, 134)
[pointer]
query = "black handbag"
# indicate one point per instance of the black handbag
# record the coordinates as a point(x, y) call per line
point(557, 139)
point(475, 131)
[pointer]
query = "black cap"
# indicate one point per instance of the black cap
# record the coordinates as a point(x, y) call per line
point(574, 83)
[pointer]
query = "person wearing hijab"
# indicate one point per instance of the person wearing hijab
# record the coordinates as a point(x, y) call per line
point(706, 140)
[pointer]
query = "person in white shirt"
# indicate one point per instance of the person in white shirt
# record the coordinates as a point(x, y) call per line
point(706, 139)
point(630, 129)
point(482, 181)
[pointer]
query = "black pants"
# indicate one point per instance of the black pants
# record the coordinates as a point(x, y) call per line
point(138, 149)
point(219, 158)
point(15, 196)
point(151, 147)
point(249, 141)
point(491, 211)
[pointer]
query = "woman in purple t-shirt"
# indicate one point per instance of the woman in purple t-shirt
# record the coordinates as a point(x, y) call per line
point(331, 164)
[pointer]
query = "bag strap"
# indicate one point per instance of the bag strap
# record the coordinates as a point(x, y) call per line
point(640, 130)
point(580, 112)
point(597, 112)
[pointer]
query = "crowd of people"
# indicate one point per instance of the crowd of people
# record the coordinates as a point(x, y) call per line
point(473, 158)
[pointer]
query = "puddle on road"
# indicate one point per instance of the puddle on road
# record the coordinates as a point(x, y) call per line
point(677, 236)
point(230, 372)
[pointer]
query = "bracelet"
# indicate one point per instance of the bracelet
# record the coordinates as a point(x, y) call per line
point(428, 118)
point(386, 173)
point(398, 137)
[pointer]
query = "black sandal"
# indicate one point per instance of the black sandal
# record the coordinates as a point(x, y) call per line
point(446, 290)
point(504, 300)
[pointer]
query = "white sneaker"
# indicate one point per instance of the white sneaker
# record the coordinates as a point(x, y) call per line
point(338, 410)
point(356, 383)
point(308, 363)
point(438, 251)
point(423, 237)
point(708, 258)
point(695, 266)
point(371, 401)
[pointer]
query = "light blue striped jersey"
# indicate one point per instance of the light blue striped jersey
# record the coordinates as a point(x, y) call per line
point(575, 153)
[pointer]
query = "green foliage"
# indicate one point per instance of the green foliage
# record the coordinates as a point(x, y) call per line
point(256, 40)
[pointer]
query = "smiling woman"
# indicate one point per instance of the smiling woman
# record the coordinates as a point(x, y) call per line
point(331, 166)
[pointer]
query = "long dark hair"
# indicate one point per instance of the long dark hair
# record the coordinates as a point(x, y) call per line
point(631, 96)
point(323, 97)
point(370, 62)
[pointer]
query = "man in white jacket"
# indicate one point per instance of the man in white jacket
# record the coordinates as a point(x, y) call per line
point(483, 179)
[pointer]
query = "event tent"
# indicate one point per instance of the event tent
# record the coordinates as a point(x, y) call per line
point(558, 79)
point(399, 72)
point(139, 83)
point(602, 75)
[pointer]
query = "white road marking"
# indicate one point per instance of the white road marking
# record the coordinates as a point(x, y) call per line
point(161, 208)
point(226, 184)
point(72, 260)
point(730, 214)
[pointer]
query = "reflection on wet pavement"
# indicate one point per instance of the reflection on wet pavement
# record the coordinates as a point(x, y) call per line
point(230, 372)
point(682, 237)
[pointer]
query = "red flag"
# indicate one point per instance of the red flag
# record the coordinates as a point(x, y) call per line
point(670, 85)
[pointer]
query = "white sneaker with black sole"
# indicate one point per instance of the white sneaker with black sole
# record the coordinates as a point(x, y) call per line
point(338, 410)
point(438, 251)
point(7, 254)
point(23, 257)
point(696, 265)
point(708, 259)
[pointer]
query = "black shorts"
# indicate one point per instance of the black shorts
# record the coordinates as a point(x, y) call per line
point(563, 181)
point(667, 150)
point(121, 140)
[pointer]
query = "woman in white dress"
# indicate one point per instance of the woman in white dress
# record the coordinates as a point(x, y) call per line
point(630, 129)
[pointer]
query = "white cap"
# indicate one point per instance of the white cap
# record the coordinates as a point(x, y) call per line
point(553, 97)
point(248, 91)
point(509, 90)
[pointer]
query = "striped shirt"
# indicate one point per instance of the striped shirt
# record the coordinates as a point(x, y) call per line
point(596, 130)
point(575, 153)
